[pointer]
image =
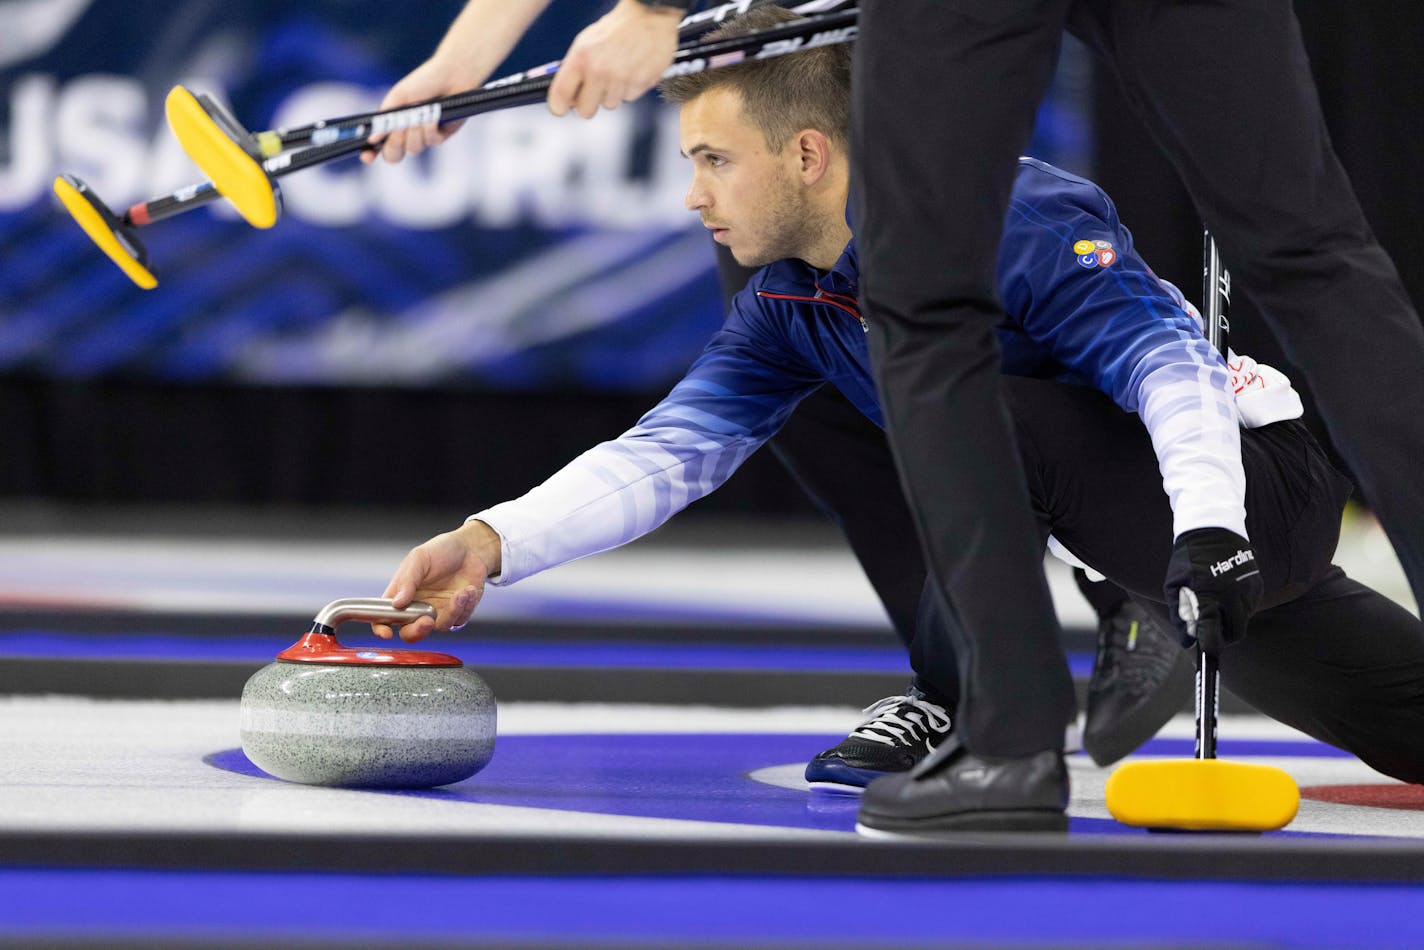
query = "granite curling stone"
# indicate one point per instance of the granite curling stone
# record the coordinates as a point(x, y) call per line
point(324, 714)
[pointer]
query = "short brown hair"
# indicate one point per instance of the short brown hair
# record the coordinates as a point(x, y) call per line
point(807, 89)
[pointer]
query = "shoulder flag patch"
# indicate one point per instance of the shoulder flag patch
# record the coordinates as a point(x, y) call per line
point(1094, 253)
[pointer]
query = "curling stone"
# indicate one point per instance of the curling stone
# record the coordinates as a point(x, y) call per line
point(325, 714)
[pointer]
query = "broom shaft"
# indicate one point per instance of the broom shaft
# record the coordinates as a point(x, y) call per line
point(1216, 298)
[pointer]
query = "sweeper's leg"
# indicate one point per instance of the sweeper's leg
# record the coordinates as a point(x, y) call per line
point(1341, 663)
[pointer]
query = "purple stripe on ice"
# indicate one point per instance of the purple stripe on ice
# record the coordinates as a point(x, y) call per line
point(480, 652)
point(695, 777)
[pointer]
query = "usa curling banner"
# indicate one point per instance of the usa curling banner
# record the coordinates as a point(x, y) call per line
point(527, 252)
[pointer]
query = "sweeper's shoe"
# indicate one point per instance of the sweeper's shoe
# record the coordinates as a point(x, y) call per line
point(1141, 678)
point(897, 733)
point(953, 790)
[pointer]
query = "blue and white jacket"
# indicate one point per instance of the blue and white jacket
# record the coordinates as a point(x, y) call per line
point(1082, 307)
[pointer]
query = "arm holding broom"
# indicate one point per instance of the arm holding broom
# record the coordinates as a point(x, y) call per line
point(615, 59)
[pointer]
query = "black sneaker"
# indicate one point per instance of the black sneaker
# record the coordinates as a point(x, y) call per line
point(1141, 678)
point(898, 732)
point(953, 790)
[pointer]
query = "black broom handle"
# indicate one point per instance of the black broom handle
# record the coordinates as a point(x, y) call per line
point(1216, 298)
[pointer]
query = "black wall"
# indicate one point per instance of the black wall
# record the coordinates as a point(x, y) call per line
point(122, 441)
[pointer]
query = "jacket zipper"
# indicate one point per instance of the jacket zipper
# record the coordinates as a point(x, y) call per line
point(839, 301)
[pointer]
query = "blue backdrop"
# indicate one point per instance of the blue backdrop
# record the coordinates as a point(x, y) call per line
point(528, 252)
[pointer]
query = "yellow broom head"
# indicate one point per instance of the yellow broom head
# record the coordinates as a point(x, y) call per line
point(1202, 795)
point(105, 229)
point(226, 153)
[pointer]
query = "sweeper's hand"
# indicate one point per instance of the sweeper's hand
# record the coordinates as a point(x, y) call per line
point(430, 80)
point(481, 37)
point(447, 572)
point(1213, 586)
point(616, 59)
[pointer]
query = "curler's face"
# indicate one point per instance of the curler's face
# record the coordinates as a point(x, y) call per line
point(749, 196)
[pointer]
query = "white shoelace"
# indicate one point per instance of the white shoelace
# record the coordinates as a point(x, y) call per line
point(903, 726)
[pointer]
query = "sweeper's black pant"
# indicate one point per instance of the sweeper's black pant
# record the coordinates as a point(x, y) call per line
point(1324, 653)
point(1225, 88)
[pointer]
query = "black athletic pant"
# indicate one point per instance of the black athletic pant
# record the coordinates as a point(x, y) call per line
point(928, 238)
point(1325, 654)
point(1225, 88)
point(944, 100)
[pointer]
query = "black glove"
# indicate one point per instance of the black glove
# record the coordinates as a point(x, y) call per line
point(1213, 586)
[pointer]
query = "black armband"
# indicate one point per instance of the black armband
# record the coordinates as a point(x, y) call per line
point(679, 4)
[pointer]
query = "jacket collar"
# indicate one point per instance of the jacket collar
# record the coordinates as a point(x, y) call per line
point(795, 276)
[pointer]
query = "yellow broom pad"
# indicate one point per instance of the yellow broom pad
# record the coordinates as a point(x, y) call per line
point(101, 232)
point(236, 175)
point(1202, 795)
